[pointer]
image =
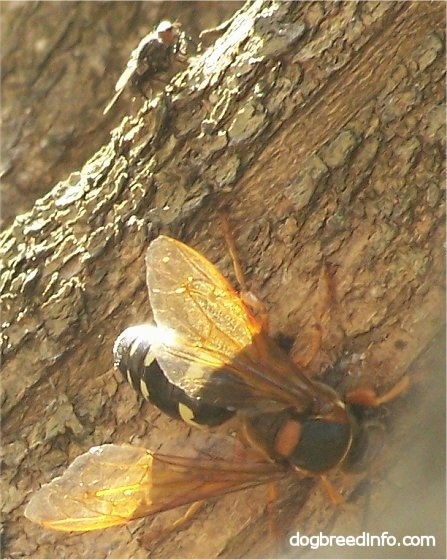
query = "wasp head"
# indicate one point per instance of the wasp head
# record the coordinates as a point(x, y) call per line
point(168, 33)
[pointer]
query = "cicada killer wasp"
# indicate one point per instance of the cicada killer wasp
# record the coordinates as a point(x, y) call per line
point(211, 354)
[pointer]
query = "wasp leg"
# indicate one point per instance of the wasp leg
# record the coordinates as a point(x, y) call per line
point(188, 515)
point(178, 525)
point(224, 222)
point(250, 299)
point(303, 358)
point(369, 398)
point(334, 495)
point(272, 497)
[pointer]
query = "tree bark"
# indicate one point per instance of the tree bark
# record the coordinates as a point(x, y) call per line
point(320, 128)
point(60, 63)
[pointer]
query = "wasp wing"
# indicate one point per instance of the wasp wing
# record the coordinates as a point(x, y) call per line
point(130, 72)
point(137, 63)
point(121, 84)
point(210, 343)
point(113, 484)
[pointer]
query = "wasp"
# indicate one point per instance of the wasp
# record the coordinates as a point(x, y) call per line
point(153, 56)
point(210, 355)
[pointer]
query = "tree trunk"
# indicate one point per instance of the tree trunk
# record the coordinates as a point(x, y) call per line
point(320, 128)
point(60, 62)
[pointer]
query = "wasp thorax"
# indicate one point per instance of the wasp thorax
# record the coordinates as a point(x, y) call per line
point(308, 443)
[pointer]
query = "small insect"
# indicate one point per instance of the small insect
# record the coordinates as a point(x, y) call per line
point(153, 56)
point(212, 350)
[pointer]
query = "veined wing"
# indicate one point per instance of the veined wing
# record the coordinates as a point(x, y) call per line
point(112, 484)
point(210, 343)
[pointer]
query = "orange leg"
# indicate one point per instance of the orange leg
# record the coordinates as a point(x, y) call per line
point(187, 516)
point(249, 298)
point(334, 495)
point(322, 314)
point(303, 360)
point(179, 524)
point(233, 252)
point(272, 490)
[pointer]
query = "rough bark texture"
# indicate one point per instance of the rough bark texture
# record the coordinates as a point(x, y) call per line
point(320, 126)
point(60, 62)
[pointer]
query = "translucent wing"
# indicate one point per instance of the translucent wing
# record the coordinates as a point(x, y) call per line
point(131, 71)
point(113, 484)
point(210, 344)
point(136, 57)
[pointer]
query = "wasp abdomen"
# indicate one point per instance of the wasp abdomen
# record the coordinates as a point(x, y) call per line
point(134, 357)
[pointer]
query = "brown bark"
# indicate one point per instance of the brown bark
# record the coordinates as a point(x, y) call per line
point(320, 127)
point(60, 62)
